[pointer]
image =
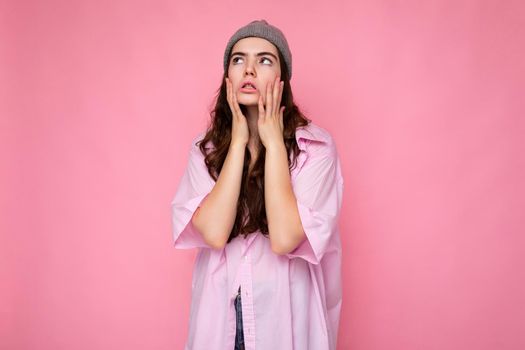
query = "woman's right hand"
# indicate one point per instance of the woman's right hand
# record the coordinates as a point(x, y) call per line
point(240, 131)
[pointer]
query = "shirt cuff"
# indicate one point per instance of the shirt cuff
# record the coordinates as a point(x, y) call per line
point(185, 235)
point(318, 229)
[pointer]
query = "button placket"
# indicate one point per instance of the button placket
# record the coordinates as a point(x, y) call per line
point(248, 312)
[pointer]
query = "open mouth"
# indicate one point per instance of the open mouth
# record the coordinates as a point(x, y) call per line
point(248, 87)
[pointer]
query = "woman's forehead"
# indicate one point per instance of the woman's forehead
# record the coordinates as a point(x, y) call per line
point(254, 44)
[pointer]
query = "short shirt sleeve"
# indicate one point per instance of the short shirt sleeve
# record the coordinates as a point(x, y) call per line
point(194, 186)
point(318, 188)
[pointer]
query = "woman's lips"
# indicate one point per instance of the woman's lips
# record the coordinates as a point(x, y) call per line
point(248, 90)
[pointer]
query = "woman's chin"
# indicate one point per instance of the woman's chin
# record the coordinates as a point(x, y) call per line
point(248, 101)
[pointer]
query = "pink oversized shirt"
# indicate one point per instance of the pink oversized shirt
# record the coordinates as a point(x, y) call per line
point(290, 301)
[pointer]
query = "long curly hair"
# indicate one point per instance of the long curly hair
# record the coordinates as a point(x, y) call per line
point(251, 211)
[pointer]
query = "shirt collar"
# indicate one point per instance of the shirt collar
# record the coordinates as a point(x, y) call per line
point(309, 132)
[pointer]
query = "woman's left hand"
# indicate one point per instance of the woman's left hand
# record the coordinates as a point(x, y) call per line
point(270, 123)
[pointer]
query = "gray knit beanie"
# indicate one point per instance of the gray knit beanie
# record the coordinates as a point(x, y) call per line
point(261, 29)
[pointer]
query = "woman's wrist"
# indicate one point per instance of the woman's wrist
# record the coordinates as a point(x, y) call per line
point(238, 145)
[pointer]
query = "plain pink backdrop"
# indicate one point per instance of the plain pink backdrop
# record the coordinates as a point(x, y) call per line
point(99, 103)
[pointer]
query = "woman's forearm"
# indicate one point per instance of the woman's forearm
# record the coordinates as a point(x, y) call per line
point(284, 222)
point(215, 218)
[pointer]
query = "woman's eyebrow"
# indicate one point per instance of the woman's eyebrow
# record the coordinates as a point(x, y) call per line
point(259, 54)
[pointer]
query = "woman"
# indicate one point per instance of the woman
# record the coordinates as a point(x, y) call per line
point(260, 198)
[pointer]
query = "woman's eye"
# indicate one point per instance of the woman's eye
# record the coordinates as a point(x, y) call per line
point(236, 60)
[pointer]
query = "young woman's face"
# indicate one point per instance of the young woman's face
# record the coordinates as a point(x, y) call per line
point(255, 60)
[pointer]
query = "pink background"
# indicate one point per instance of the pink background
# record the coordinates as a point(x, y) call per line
point(99, 103)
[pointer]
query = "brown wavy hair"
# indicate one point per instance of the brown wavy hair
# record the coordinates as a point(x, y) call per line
point(250, 205)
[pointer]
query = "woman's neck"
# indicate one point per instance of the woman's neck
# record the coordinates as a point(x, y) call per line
point(252, 115)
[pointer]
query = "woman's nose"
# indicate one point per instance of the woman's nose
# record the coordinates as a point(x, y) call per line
point(249, 69)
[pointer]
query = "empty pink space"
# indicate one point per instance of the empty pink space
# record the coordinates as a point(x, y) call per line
point(99, 102)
